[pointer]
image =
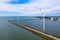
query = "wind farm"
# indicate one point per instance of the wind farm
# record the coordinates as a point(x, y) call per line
point(29, 19)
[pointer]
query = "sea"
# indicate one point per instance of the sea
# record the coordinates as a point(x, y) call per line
point(9, 31)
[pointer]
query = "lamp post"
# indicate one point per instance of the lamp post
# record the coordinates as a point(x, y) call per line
point(43, 18)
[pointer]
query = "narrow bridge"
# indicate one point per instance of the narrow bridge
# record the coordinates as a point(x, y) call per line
point(36, 32)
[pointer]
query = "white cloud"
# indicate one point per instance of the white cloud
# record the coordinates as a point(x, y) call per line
point(4, 1)
point(53, 9)
point(32, 8)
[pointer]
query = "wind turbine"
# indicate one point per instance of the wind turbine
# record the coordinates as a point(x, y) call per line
point(17, 18)
point(43, 18)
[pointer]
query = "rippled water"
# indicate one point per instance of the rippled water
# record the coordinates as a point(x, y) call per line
point(10, 31)
point(51, 27)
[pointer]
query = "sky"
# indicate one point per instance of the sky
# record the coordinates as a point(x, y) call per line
point(29, 7)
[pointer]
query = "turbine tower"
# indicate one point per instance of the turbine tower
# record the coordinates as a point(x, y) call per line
point(43, 18)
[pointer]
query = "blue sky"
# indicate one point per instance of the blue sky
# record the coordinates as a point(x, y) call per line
point(29, 7)
point(19, 1)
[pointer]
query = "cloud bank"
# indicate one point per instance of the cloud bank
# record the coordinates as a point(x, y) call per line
point(32, 8)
